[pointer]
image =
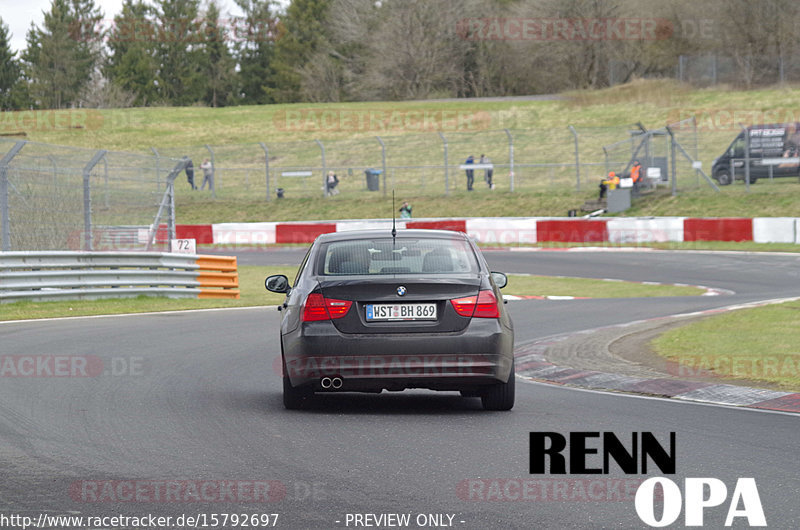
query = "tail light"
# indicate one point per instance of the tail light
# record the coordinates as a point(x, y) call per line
point(482, 306)
point(320, 308)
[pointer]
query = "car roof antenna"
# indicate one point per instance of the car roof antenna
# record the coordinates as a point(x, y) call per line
point(394, 223)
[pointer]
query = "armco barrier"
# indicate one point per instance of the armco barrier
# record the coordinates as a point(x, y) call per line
point(62, 275)
point(529, 230)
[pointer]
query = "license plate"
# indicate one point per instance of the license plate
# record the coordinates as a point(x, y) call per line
point(401, 312)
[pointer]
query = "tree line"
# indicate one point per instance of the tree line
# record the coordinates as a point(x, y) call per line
point(184, 52)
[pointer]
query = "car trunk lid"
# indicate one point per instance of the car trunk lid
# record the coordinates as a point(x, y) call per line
point(379, 307)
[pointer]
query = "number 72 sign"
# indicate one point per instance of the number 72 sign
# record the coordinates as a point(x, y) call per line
point(183, 246)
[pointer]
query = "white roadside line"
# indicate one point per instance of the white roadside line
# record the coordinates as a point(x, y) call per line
point(623, 394)
point(49, 319)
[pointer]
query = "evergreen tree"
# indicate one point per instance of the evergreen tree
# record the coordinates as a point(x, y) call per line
point(301, 32)
point(9, 69)
point(61, 56)
point(178, 41)
point(217, 62)
point(132, 42)
point(255, 50)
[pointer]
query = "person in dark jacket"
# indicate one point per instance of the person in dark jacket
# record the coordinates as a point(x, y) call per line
point(470, 172)
point(190, 172)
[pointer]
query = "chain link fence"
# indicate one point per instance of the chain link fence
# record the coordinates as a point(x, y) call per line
point(66, 198)
point(411, 164)
point(58, 197)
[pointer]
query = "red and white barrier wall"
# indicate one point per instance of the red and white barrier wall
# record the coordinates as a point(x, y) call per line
point(519, 230)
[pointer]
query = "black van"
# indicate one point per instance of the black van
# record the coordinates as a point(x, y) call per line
point(768, 143)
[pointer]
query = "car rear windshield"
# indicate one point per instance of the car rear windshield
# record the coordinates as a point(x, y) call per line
point(404, 256)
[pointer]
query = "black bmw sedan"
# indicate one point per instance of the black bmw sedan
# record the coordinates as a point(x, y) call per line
point(370, 311)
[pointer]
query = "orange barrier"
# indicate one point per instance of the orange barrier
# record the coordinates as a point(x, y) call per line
point(218, 277)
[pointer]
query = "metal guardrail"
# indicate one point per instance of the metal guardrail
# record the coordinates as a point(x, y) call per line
point(62, 275)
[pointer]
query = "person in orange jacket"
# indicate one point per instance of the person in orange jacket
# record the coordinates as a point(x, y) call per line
point(636, 171)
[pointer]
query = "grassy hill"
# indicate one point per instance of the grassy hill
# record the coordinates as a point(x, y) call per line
point(471, 126)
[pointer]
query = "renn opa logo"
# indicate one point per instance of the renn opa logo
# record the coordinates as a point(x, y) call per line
point(593, 452)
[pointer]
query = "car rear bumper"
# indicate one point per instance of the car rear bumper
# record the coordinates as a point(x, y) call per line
point(478, 356)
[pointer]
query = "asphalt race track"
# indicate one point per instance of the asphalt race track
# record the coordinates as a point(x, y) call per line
point(193, 398)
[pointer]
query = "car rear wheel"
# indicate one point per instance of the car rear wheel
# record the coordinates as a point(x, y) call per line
point(294, 398)
point(501, 395)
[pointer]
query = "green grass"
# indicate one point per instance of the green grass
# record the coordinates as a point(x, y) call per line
point(523, 285)
point(779, 199)
point(253, 293)
point(758, 344)
point(539, 127)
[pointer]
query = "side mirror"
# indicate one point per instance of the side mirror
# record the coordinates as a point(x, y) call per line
point(500, 279)
point(277, 283)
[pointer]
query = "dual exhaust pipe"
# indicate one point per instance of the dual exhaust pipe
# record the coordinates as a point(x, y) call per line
point(331, 382)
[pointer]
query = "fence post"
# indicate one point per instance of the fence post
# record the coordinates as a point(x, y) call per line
point(510, 158)
point(105, 182)
point(672, 160)
point(213, 172)
point(605, 154)
point(55, 173)
point(577, 158)
point(158, 168)
point(4, 214)
point(383, 161)
point(446, 168)
point(746, 157)
point(266, 164)
point(696, 146)
point(87, 198)
point(169, 195)
point(324, 169)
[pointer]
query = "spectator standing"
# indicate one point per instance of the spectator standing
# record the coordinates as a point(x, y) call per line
point(330, 184)
point(405, 211)
point(189, 172)
point(208, 174)
point(470, 172)
point(636, 173)
point(603, 189)
point(489, 171)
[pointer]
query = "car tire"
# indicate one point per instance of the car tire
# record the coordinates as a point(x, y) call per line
point(500, 396)
point(294, 398)
point(724, 178)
